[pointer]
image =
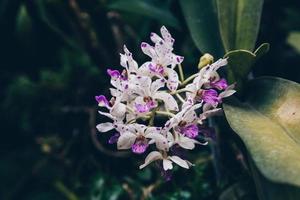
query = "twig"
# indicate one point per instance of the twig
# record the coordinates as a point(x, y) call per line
point(181, 74)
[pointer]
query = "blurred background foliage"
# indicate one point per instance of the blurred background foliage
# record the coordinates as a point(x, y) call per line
point(54, 55)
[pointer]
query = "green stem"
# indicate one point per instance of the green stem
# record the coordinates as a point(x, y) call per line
point(180, 91)
point(59, 185)
point(188, 79)
point(181, 74)
point(180, 97)
point(164, 113)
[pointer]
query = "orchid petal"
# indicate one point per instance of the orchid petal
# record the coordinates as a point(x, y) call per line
point(167, 164)
point(104, 127)
point(168, 100)
point(126, 140)
point(154, 155)
point(179, 161)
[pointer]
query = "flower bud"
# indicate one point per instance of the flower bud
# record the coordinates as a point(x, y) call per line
point(206, 59)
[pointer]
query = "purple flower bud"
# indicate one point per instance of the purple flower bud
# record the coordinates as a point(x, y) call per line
point(102, 101)
point(190, 130)
point(114, 138)
point(113, 73)
point(220, 84)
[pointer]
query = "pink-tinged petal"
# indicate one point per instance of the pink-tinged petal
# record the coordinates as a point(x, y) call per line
point(186, 143)
point(132, 64)
point(104, 127)
point(173, 81)
point(155, 38)
point(148, 50)
point(220, 84)
point(102, 101)
point(209, 113)
point(118, 110)
point(114, 138)
point(190, 131)
point(126, 140)
point(153, 156)
point(107, 115)
point(139, 146)
point(169, 101)
point(157, 84)
point(177, 59)
point(166, 35)
point(179, 161)
point(167, 164)
point(114, 73)
point(160, 141)
point(226, 93)
point(219, 63)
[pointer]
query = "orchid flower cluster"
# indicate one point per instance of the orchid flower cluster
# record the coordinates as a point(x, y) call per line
point(151, 110)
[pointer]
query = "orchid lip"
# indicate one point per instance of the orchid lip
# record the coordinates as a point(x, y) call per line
point(102, 101)
point(113, 73)
point(140, 145)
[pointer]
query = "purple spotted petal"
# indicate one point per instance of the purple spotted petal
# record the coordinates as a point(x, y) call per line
point(190, 131)
point(114, 138)
point(220, 84)
point(210, 96)
point(102, 101)
point(113, 73)
point(140, 146)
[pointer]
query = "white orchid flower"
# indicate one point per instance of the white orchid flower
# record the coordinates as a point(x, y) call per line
point(163, 60)
point(148, 95)
point(137, 137)
point(167, 161)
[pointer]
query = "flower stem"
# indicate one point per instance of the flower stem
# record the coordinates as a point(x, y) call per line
point(180, 97)
point(181, 74)
point(189, 79)
point(179, 91)
point(164, 113)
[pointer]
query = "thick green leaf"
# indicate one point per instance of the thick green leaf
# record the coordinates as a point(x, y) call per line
point(241, 61)
point(268, 123)
point(268, 190)
point(294, 40)
point(261, 50)
point(147, 9)
point(239, 23)
point(239, 64)
point(201, 18)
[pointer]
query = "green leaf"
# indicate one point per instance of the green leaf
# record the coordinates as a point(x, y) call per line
point(240, 62)
point(201, 19)
point(261, 50)
point(294, 40)
point(147, 9)
point(268, 124)
point(268, 190)
point(239, 23)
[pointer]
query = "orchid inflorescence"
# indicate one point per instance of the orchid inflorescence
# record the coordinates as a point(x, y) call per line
point(142, 95)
